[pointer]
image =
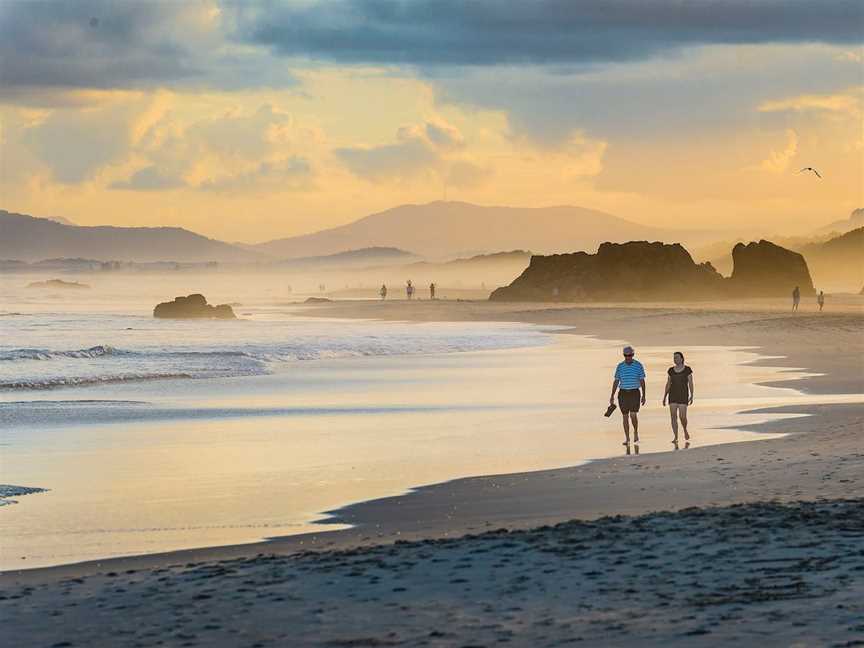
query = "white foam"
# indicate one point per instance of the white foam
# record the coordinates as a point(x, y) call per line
point(8, 490)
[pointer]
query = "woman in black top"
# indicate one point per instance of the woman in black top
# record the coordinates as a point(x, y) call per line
point(679, 393)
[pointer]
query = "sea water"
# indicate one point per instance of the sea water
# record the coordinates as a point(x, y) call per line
point(153, 435)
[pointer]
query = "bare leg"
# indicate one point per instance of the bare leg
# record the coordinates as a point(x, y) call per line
point(635, 419)
point(682, 412)
point(674, 416)
point(626, 429)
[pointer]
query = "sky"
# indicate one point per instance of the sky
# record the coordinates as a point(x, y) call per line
point(248, 121)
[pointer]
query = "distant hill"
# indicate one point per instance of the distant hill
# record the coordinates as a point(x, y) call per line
point(720, 256)
point(855, 220)
point(26, 238)
point(837, 264)
point(352, 258)
point(477, 262)
point(447, 229)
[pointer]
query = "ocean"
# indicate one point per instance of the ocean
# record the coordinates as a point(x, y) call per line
point(152, 435)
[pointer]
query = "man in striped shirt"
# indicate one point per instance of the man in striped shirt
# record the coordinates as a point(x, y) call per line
point(630, 378)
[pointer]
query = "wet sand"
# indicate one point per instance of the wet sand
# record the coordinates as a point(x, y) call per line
point(773, 551)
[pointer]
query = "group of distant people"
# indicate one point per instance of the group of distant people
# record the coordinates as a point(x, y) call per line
point(796, 299)
point(409, 290)
point(629, 382)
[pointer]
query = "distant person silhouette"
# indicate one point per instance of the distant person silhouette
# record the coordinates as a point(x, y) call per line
point(383, 292)
point(820, 299)
point(432, 290)
point(679, 392)
point(409, 289)
point(796, 298)
point(630, 377)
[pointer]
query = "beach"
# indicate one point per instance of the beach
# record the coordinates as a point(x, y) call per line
point(730, 542)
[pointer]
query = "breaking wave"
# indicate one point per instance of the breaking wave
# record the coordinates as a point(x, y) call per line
point(47, 354)
point(7, 491)
point(146, 358)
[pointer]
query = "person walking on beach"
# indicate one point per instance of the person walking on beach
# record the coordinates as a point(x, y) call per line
point(409, 289)
point(820, 299)
point(383, 292)
point(796, 299)
point(679, 392)
point(630, 377)
point(432, 290)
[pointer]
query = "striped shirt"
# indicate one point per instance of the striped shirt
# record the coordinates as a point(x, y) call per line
point(628, 375)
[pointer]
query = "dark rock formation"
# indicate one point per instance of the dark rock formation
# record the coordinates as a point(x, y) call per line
point(633, 271)
point(317, 300)
point(764, 269)
point(643, 271)
point(191, 307)
point(58, 283)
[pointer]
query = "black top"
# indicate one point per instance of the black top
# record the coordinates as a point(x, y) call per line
point(679, 389)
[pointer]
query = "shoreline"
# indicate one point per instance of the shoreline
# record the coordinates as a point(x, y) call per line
point(384, 520)
point(714, 545)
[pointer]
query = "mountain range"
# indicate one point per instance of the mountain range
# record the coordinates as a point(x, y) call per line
point(26, 238)
point(434, 231)
point(438, 230)
point(361, 258)
point(838, 261)
point(457, 229)
point(855, 220)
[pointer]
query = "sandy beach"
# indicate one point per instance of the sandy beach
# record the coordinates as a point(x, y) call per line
point(747, 542)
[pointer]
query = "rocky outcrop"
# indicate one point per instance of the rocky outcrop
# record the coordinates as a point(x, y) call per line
point(764, 269)
point(317, 300)
point(58, 283)
point(192, 307)
point(634, 271)
point(643, 271)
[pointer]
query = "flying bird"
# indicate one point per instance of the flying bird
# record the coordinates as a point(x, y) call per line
point(811, 169)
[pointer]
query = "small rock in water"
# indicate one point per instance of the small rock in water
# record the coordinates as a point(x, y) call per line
point(192, 307)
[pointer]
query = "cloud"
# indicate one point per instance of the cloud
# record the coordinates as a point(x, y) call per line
point(104, 44)
point(293, 173)
point(76, 144)
point(149, 178)
point(236, 150)
point(713, 89)
point(778, 161)
point(419, 148)
point(443, 135)
point(377, 163)
point(851, 56)
point(483, 32)
point(463, 174)
point(849, 102)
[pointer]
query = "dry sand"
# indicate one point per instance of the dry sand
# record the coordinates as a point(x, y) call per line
point(774, 553)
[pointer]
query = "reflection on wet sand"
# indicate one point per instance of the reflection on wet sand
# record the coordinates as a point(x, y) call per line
point(240, 469)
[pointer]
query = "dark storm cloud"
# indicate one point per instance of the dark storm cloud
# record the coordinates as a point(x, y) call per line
point(90, 44)
point(228, 45)
point(488, 32)
point(107, 44)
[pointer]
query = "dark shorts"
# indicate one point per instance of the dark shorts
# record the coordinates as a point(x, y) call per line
point(629, 399)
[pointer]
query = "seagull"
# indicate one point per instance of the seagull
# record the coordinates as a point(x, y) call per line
point(811, 169)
